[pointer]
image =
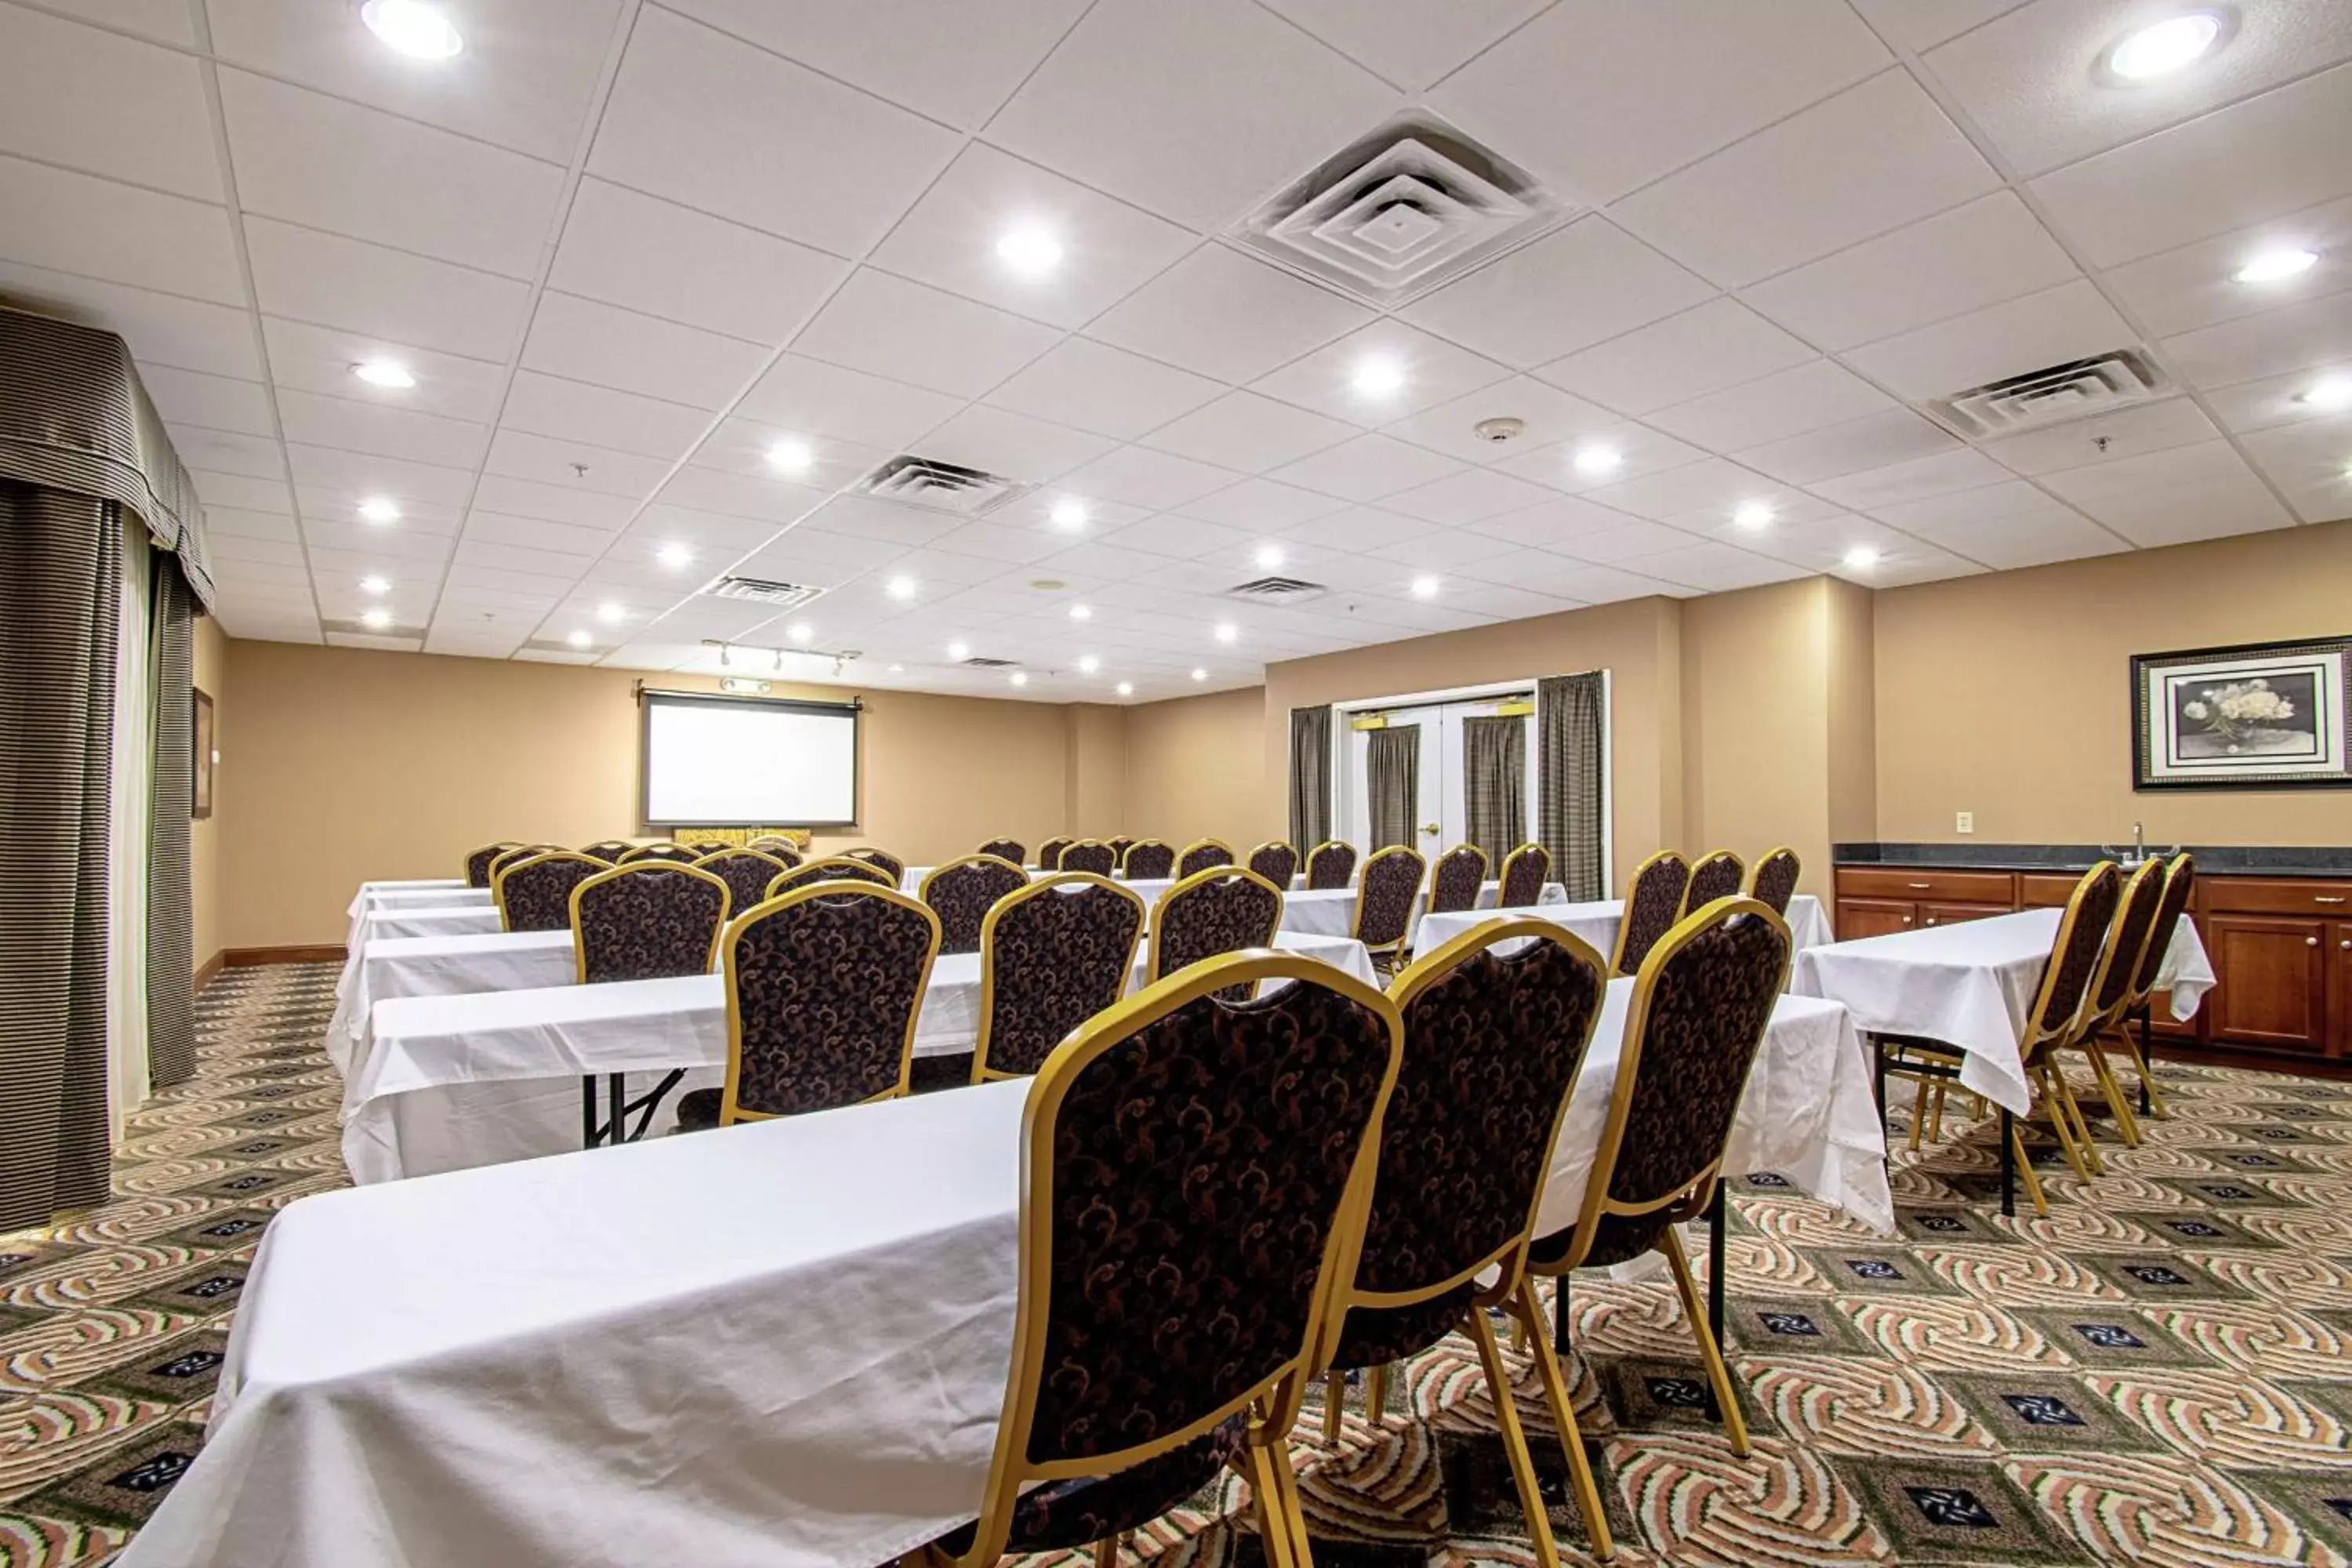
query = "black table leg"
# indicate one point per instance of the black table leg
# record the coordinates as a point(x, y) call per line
point(1878, 1078)
point(2008, 1164)
point(588, 1139)
point(1559, 1316)
point(1715, 1249)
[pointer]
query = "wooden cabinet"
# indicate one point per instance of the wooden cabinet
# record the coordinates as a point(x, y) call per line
point(2274, 989)
point(1946, 914)
point(1859, 918)
point(2339, 983)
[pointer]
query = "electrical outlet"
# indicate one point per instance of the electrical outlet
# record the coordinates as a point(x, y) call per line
point(1964, 822)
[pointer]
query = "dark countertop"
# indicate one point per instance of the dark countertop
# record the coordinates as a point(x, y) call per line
point(2217, 860)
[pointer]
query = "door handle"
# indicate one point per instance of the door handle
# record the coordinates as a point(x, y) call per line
point(1432, 827)
point(1922, 885)
point(2327, 898)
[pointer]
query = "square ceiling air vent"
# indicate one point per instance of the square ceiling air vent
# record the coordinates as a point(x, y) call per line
point(1277, 591)
point(1415, 205)
point(2076, 390)
point(762, 591)
point(941, 487)
point(981, 661)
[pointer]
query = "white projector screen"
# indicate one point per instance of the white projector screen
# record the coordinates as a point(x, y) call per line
point(719, 762)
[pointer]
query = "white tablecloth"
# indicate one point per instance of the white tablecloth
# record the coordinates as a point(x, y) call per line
point(1331, 912)
point(1970, 985)
point(447, 1082)
point(1597, 923)
point(397, 921)
point(421, 887)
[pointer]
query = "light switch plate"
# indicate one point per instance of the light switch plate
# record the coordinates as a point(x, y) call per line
point(1964, 822)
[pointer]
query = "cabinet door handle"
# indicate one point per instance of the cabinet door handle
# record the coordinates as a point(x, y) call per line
point(2346, 944)
point(1919, 885)
point(2311, 941)
point(1930, 920)
point(2327, 898)
point(1906, 919)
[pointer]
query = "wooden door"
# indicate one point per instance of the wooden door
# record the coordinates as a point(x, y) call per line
point(2339, 936)
point(1859, 918)
point(2271, 990)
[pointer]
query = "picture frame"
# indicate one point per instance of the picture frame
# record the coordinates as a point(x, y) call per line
point(200, 805)
point(2252, 716)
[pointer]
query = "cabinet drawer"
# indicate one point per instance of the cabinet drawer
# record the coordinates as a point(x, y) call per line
point(1942, 887)
point(2045, 890)
point(1943, 914)
point(2276, 896)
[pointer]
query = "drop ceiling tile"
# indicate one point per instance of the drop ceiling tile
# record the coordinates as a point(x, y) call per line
point(1104, 562)
point(2311, 463)
point(1796, 192)
point(948, 240)
point(1194, 111)
point(1711, 484)
point(156, 130)
point(227, 522)
point(583, 340)
point(1712, 346)
point(1638, 450)
point(1262, 506)
point(1436, 549)
point(1013, 445)
point(1409, 44)
point(569, 502)
point(1091, 387)
point(938, 567)
point(887, 326)
point(1918, 480)
point(2217, 510)
point(1244, 431)
point(300, 274)
point(2271, 155)
point(1916, 564)
point(1716, 568)
point(2181, 289)
point(165, 20)
point(801, 393)
point(384, 431)
point(2070, 321)
point(747, 447)
point(2127, 432)
point(536, 533)
point(1187, 539)
point(1976, 255)
point(521, 456)
point(906, 526)
point(1504, 603)
point(2026, 539)
point(1600, 97)
point(1546, 414)
point(739, 495)
point(223, 451)
point(427, 190)
point(1616, 546)
point(214, 402)
point(991, 542)
point(1873, 441)
point(697, 118)
point(1923, 23)
point(541, 405)
point(2275, 400)
point(237, 547)
point(65, 222)
point(330, 507)
point(518, 565)
point(1565, 578)
point(710, 539)
point(160, 329)
point(242, 492)
point(319, 359)
point(2032, 82)
point(1366, 468)
point(1588, 281)
point(1356, 528)
point(1964, 508)
point(1435, 372)
point(1468, 497)
point(1554, 525)
point(1774, 407)
point(1136, 476)
point(1227, 315)
point(2289, 338)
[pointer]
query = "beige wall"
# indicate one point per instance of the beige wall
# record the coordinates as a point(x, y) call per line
point(1095, 770)
point(1196, 768)
point(1756, 724)
point(204, 835)
point(2008, 694)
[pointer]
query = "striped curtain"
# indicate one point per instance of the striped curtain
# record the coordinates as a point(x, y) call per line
point(1572, 731)
point(1392, 785)
point(171, 916)
point(61, 590)
point(1310, 776)
point(1495, 786)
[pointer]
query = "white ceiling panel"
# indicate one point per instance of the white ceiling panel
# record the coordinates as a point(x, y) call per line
point(1432, 371)
point(1555, 523)
point(382, 431)
point(1548, 416)
point(232, 522)
point(1262, 506)
point(1222, 314)
point(544, 405)
point(320, 359)
point(2028, 539)
point(1367, 468)
point(1715, 568)
point(1591, 280)
point(1091, 387)
point(156, 131)
point(1157, 482)
point(519, 455)
point(1013, 445)
point(2312, 463)
point(739, 495)
point(800, 393)
point(2070, 321)
point(1713, 346)
point(2291, 336)
point(255, 456)
point(663, 259)
point(1244, 431)
point(162, 328)
point(214, 402)
point(1772, 408)
point(886, 326)
point(584, 341)
point(819, 463)
point(2181, 290)
point(1916, 479)
point(1468, 497)
point(2277, 400)
point(1923, 23)
point(303, 275)
point(1410, 44)
point(1712, 485)
point(1873, 441)
point(1570, 466)
point(2128, 433)
point(67, 222)
point(1355, 528)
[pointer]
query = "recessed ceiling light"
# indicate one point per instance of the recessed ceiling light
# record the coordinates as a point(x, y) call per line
point(2163, 48)
point(673, 556)
point(900, 587)
point(375, 585)
point(1020, 678)
point(384, 373)
point(577, 639)
point(1127, 688)
point(2276, 265)
point(413, 28)
point(1227, 631)
point(2332, 392)
point(791, 457)
point(1082, 612)
point(1269, 556)
point(1379, 377)
point(376, 620)
point(1424, 586)
point(1069, 514)
point(1753, 515)
point(375, 509)
point(1862, 558)
point(898, 669)
point(1199, 674)
point(609, 612)
point(1595, 461)
point(959, 651)
point(799, 631)
point(1031, 252)
point(1089, 663)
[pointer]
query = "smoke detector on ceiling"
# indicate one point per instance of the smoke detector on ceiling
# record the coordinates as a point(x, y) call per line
point(1502, 429)
point(2054, 394)
point(938, 486)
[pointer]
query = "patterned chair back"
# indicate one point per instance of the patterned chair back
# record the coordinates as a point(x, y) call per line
point(1121, 845)
point(677, 853)
point(1525, 871)
point(1052, 956)
point(477, 864)
point(1653, 902)
point(746, 872)
point(1111, 1378)
point(1492, 1045)
point(823, 988)
point(1091, 856)
point(2179, 883)
point(881, 859)
point(1717, 876)
point(706, 847)
point(2127, 938)
point(1773, 882)
point(534, 893)
point(1276, 861)
point(1202, 854)
point(1385, 895)
point(1011, 849)
point(1049, 854)
point(608, 850)
point(1330, 865)
point(648, 921)
point(2074, 953)
point(1147, 860)
point(1456, 879)
point(962, 893)
point(832, 869)
point(515, 854)
point(1220, 909)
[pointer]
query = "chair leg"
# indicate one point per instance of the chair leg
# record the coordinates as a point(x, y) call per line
point(2025, 1169)
point(1335, 1404)
point(1526, 1313)
point(1514, 1439)
point(1286, 1481)
point(1376, 1394)
point(1936, 1115)
point(2083, 1139)
point(1919, 1112)
point(1107, 1551)
point(1262, 1463)
point(1735, 1425)
point(2118, 1105)
point(2054, 1105)
point(2155, 1106)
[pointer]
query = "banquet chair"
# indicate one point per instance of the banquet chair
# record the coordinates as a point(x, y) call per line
point(1456, 879)
point(824, 986)
point(1049, 854)
point(1492, 1045)
point(703, 848)
point(534, 893)
point(1773, 882)
point(515, 854)
point(1525, 871)
point(746, 872)
point(477, 863)
point(1385, 895)
point(1092, 856)
point(1147, 860)
point(1202, 854)
point(2180, 885)
point(2109, 999)
point(880, 859)
point(1120, 846)
point(648, 920)
point(1222, 909)
point(1121, 1404)
point(832, 869)
point(1011, 849)
point(608, 850)
point(1717, 876)
point(962, 892)
point(1331, 864)
point(1052, 956)
point(675, 852)
point(1694, 1026)
point(1276, 860)
point(1653, 902)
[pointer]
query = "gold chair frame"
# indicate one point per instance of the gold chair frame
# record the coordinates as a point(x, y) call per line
point(1307, 863)
point(1147, 843)
point(718, 928)
point(1529, 850)
point(493, 851)
point(2142, 995)
point(1429, 888)
point(980, 1072)
point(923, 888)
point(1297, 862)
point(499, 873)
point(1204, 843)
point(2094, 1022)
point(1183, 885)
point(1765, 859)
point(667, 850)
point(1386, 950)
point(1087, 844)
point(864, 873)
point(1714, 857)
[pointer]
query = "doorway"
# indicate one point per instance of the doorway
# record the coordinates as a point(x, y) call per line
point(1432, 775)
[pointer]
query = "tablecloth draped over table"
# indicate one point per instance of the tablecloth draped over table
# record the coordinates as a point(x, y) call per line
point(1970, 985)
point(1596, 923)
point(1331, 912)
point(450, 1080)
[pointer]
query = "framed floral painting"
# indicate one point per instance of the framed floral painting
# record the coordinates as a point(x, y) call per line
point(2259, 716)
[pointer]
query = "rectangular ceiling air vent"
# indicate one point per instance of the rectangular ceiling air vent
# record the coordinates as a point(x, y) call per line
point(2076, 390)
point(760, 591)
point(981, 661)
point(1413, 205)
point(1277, 591)
point(941, 487)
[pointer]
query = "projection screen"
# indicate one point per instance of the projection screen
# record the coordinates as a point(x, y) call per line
point(736, 762)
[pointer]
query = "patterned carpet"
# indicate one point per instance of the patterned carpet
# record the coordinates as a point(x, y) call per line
point(2159, 1372)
